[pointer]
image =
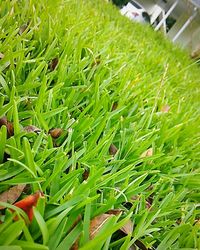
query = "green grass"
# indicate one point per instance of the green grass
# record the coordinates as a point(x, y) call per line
point(104, 59)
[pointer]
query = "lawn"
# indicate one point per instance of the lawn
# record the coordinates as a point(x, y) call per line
point(99, 131)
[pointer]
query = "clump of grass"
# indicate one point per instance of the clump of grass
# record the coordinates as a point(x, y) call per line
point(115, 112)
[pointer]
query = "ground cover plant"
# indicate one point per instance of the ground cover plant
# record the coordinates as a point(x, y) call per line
point(99, 131)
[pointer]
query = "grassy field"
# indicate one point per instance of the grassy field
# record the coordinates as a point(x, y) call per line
point(112, 161)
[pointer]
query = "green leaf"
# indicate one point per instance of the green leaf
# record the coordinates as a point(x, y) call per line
point(25, 245)
point(68, 241)
point(12, 232)
point(10, 248)
point(42, 225)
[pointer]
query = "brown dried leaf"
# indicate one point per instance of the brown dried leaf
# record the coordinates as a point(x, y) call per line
point(56, 132)
point(3, 121)
point(165, 109)
point(96, 61)
point(86, 174)
point(9, 125)
point(75, 222)
point(12, 194)
point(114, 106)
point(114, 211)
point(32, 128)
point(75, 245)
point(1, 55)
point(135, 197)
point(113, 150)
point(97, 223)
point(10, 129)
point(133, 247)
point(128, 227)
point(53, 64)
point(141, 245)
point(196, 53)
point(22, 29)
point(147, 153)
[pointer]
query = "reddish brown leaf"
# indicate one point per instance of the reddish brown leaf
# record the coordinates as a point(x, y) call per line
point(53, 64)
point(147, 153)
point(97, 223)
point(128, 227)
point(113, 149)
point(86, 174)
point(3, 121)
point(9, 126)
point(1, 55)
point(10, 129)
point(28, 203)
point(12, 194)
point(56, 132)
point(165, 109)
point(32, 128)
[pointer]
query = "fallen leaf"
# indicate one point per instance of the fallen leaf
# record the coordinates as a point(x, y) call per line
point(141, 245)
point(86, 174)
point(10, 129)
point(114, 106)
point(1, 55)
point(12, 194)
point(22, 29)
point(133, 247)
point(128, 227)
point(114, 211)
point(135, 197)
point(53, 64)
point(147, 153)
point(97, 223)
point(196, 53)
point(148, 203)
point(32, 128)
point(113, 149)
point(75, 245)
point(96, 61)
point(9, 126)
point(165, 109)
point(56, 132)
point(3, 121)
point(76, 222)
point(28, 203)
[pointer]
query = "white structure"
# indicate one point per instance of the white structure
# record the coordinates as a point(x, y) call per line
point(186, 30)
